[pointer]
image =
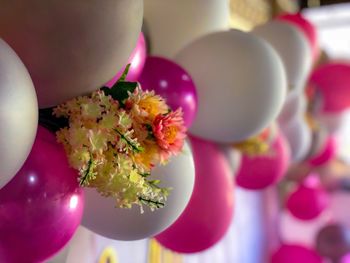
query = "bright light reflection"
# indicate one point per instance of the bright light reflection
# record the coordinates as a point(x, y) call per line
point(185, 77)
point(163, 84)
point(73, 203)
point(32, 179)
point(136, 60)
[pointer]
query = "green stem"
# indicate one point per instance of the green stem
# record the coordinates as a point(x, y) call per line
point(132, 145)
point(144, 174)
point(155, 203)
point(87, 172)
point(125, 74)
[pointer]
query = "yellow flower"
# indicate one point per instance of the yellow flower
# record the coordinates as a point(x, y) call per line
point(91, 111)
point(153, 105)
point(97, 140)
point(109, 120)
point(78, 136)
point(149, 157)
point(79, 158)
point(135, 177)
point(252, 146)
point(148, 105)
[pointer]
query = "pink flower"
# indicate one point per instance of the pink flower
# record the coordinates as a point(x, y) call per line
point(170, 132)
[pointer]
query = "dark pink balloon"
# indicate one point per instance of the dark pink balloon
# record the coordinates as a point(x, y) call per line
point(172, 82)
point(307, 28)
point(209, 212)
point(332, 82)
point(309, 200)
point(137, 60)
point(327, 153)
point(258, 172)
point(41, 207)
point(295, 254)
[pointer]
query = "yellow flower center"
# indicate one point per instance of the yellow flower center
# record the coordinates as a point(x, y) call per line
point(152, 106)
point(170, 134)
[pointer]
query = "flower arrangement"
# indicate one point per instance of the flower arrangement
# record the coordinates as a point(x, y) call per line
point(115, 137)
point(259, 144)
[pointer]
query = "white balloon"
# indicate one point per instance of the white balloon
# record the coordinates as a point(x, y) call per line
point(83, 240)
point(18, 113)
point(292, 46)
point(71, 47)
point(233, 156)
point(241, 84)
point(294, 106)
point(298, 135)
point(174, 24)
point(102, 217)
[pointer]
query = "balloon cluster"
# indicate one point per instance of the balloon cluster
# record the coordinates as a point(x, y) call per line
point(250, 100)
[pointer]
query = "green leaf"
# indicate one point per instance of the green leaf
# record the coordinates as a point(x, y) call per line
point(49, 121)
point(154, 182)
point(120, 91)
point(125, 74)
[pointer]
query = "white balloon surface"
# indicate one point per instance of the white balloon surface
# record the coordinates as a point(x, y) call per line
point(294, 106)
point(241, 84)
point(233, 157)
point(299, 137)
point(71, 47)
point(293, 48)
point(18, 113)
point(174, 24)
point(102, 217)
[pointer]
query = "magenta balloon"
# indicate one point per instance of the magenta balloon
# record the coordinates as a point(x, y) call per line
point(327, 153)
point(172, 82)
point(307, 202)
point(295, 254)
point(137, 60)
point(41, 207)
point(209, 212)
point(332, 80)
point(258, 172)
point(307, 28)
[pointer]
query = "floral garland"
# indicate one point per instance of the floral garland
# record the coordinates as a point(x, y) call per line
point(115, 137)
point(258, 145)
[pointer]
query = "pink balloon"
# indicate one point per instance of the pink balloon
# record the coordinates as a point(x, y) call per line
point(295, 254)
point(309, 200)
point(137, 60)
point(172, 82)
point(307, 28)
point(258, 172)
point(327, 153)
point(209, 212)
point(332, 81)
point(41, 207)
